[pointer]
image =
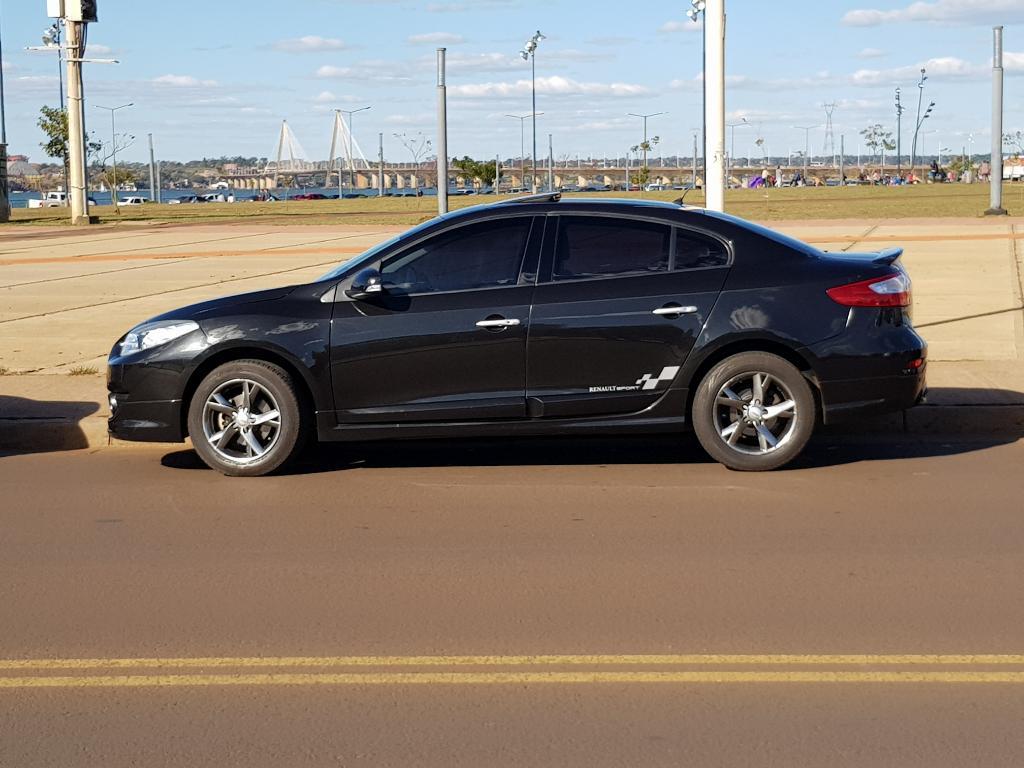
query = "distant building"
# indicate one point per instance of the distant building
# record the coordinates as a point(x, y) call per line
point(18, 165)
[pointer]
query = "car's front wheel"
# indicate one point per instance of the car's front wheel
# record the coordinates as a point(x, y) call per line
point(754, 411)
point(245, 418)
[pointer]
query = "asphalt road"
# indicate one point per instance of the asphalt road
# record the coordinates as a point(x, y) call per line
point(619, 603)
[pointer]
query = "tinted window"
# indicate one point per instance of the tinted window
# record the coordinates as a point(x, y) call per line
point(484, 255)
point(696, 252)
point(599, 247)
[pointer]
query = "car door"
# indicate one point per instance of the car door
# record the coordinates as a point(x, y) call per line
point(618, 308)
point(446, 340)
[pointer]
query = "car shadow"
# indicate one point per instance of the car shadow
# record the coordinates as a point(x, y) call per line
point(918, 434)
point(42, 426)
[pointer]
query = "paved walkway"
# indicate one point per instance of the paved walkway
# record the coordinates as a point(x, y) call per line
point(66, 295)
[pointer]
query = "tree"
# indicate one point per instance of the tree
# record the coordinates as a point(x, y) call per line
point(878, 139)
point(485, 171)
point(645, 146)
point(124, 176)
point(54, 123)
point(1014, 141)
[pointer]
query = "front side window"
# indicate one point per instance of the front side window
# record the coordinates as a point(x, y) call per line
point(488, 254)
point(604, 247)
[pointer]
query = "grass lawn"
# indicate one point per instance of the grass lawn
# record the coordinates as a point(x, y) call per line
point(923, 201)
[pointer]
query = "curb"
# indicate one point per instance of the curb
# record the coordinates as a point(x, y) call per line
point(36, 434)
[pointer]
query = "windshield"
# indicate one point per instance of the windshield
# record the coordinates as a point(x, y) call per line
point(379, 248)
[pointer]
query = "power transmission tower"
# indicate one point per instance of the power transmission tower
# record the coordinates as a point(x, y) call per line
point(830, 136)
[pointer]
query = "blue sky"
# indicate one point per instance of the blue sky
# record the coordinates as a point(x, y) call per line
point(217, 78)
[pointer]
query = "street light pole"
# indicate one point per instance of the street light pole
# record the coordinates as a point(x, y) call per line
point(530, 52)
point(807, 144)
point(644, 147)
point(351, 162)
point(899, 134)
point(113, 149)
point(920, 119)
point(522, 142)
point(996, 181)
point(714, 32)
point(697, 10)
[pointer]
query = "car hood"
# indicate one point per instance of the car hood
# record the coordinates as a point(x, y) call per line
point(198, 311)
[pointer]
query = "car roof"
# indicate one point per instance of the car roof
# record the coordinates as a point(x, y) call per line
point(553, 202)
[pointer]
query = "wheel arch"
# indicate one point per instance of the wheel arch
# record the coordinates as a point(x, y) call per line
point(299, 375)
point(769, 345)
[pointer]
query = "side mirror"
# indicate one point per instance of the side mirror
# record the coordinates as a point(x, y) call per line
point(366, 285)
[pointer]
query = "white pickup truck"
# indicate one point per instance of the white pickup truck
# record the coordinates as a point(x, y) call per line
point(50, 200)
point(1013, 170)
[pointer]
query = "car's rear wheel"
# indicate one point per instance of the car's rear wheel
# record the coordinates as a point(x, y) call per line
point(754, 412)
point(245, 418)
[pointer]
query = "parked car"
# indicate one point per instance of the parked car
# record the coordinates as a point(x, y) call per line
point(310, 196)
point(132, 201)
point(535, 316)
point(186, 199)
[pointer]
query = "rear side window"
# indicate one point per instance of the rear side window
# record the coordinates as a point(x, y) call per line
point(696, 252)
point(605, 247)
point(484, 255)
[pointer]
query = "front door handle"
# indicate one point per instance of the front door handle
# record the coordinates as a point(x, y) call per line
point(674, 310)
point(497, 323)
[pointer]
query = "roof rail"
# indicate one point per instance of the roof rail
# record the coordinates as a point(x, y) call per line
point(543, 197)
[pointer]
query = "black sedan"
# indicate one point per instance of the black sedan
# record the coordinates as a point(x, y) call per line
point(536, 316)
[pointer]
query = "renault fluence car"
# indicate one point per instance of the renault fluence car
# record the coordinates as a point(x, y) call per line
point(535, 316)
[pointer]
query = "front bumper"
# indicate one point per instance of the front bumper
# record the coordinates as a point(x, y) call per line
point(142, 404)
point(151, 422)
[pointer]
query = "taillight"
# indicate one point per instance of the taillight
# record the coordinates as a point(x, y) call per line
point(889, 291)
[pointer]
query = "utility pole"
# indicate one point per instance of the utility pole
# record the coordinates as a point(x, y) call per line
point(842, 160)
point(807, 144)
point(152, 172)
point(996, 180)
point(551, 163)
point(714, 151)
point(5, 198)
point(442, 135)
point(75, 35)
point(380, 165)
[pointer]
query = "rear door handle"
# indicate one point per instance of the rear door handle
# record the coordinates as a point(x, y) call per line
point(502, 323)
point(674, 310)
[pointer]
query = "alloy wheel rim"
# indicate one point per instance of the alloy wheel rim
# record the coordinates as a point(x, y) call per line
point(755, 413)
point(241, 421)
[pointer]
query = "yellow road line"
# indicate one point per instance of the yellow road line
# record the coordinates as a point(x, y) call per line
point(510, 678)
point(594, 660)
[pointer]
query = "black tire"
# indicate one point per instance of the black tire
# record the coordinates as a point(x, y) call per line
point(747, 446)
point(270, 388)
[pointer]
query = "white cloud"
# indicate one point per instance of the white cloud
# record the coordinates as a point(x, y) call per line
point(183, 81)
point(555, 85)
point(967, 12)
point(871, 53)
point(945, 68)
point(369, 71)
point(676, 25)
point(436, 38)
point(309, 44)
point(325, 97)
point(99, 49)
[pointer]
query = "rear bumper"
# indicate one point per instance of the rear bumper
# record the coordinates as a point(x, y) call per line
point(845, 401)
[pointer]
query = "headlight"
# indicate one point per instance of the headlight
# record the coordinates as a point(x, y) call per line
point(149, 335)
